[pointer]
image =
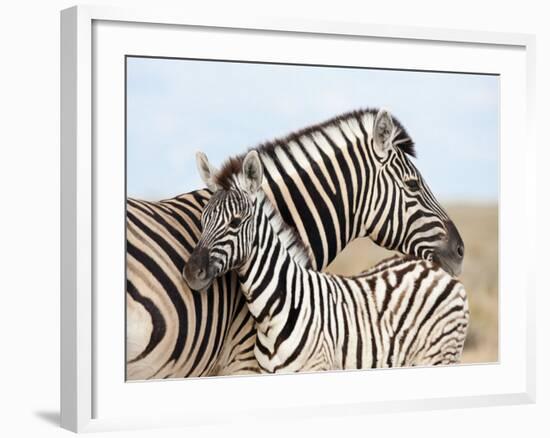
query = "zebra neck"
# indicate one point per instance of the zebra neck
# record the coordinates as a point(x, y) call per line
point(276, 254)
point(320, 182)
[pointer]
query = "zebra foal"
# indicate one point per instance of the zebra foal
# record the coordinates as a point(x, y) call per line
point(405, 312)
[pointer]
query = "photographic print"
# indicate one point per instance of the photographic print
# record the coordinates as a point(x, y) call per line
point(294, 218)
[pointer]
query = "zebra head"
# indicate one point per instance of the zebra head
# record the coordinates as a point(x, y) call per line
point(228, 222)
point(403, 214)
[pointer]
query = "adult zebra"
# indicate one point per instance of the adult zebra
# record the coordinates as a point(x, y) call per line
point(403, 313)
point(346, 178)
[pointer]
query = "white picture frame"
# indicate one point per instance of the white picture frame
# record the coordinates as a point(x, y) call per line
point(91, 393)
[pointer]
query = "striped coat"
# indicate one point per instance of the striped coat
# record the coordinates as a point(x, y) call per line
point(346, 178)
point(403, 312)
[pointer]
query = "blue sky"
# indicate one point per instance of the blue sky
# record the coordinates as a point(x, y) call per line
point(176, 107)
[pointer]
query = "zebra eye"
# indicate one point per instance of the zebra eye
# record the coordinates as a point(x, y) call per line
point(412, 184)
point(235, 222)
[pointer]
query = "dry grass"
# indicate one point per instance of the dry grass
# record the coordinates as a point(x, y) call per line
point(478, 225)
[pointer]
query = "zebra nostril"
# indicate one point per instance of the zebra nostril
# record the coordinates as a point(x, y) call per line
point(201, 274)
point(460, 251)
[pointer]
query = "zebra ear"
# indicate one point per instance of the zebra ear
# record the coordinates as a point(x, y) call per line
point(253, 172)
point(206, 171)
point(383, 132)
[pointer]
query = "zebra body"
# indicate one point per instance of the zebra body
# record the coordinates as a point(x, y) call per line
point(167, 331)
point(404, 312)
point(419, 318)
point(346, 178)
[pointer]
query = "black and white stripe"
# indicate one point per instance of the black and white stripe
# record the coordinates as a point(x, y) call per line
point(170, 330)
point(403, 312)
point(333, 182)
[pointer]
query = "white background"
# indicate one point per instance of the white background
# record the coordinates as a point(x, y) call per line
point(29, 184)
point(234, 397)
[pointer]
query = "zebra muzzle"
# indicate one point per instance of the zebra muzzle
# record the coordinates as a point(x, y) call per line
point(451, 255)
point(197, 272)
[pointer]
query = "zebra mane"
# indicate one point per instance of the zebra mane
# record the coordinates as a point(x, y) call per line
point(401, 138)
point(289, 237)
point(233, 165)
